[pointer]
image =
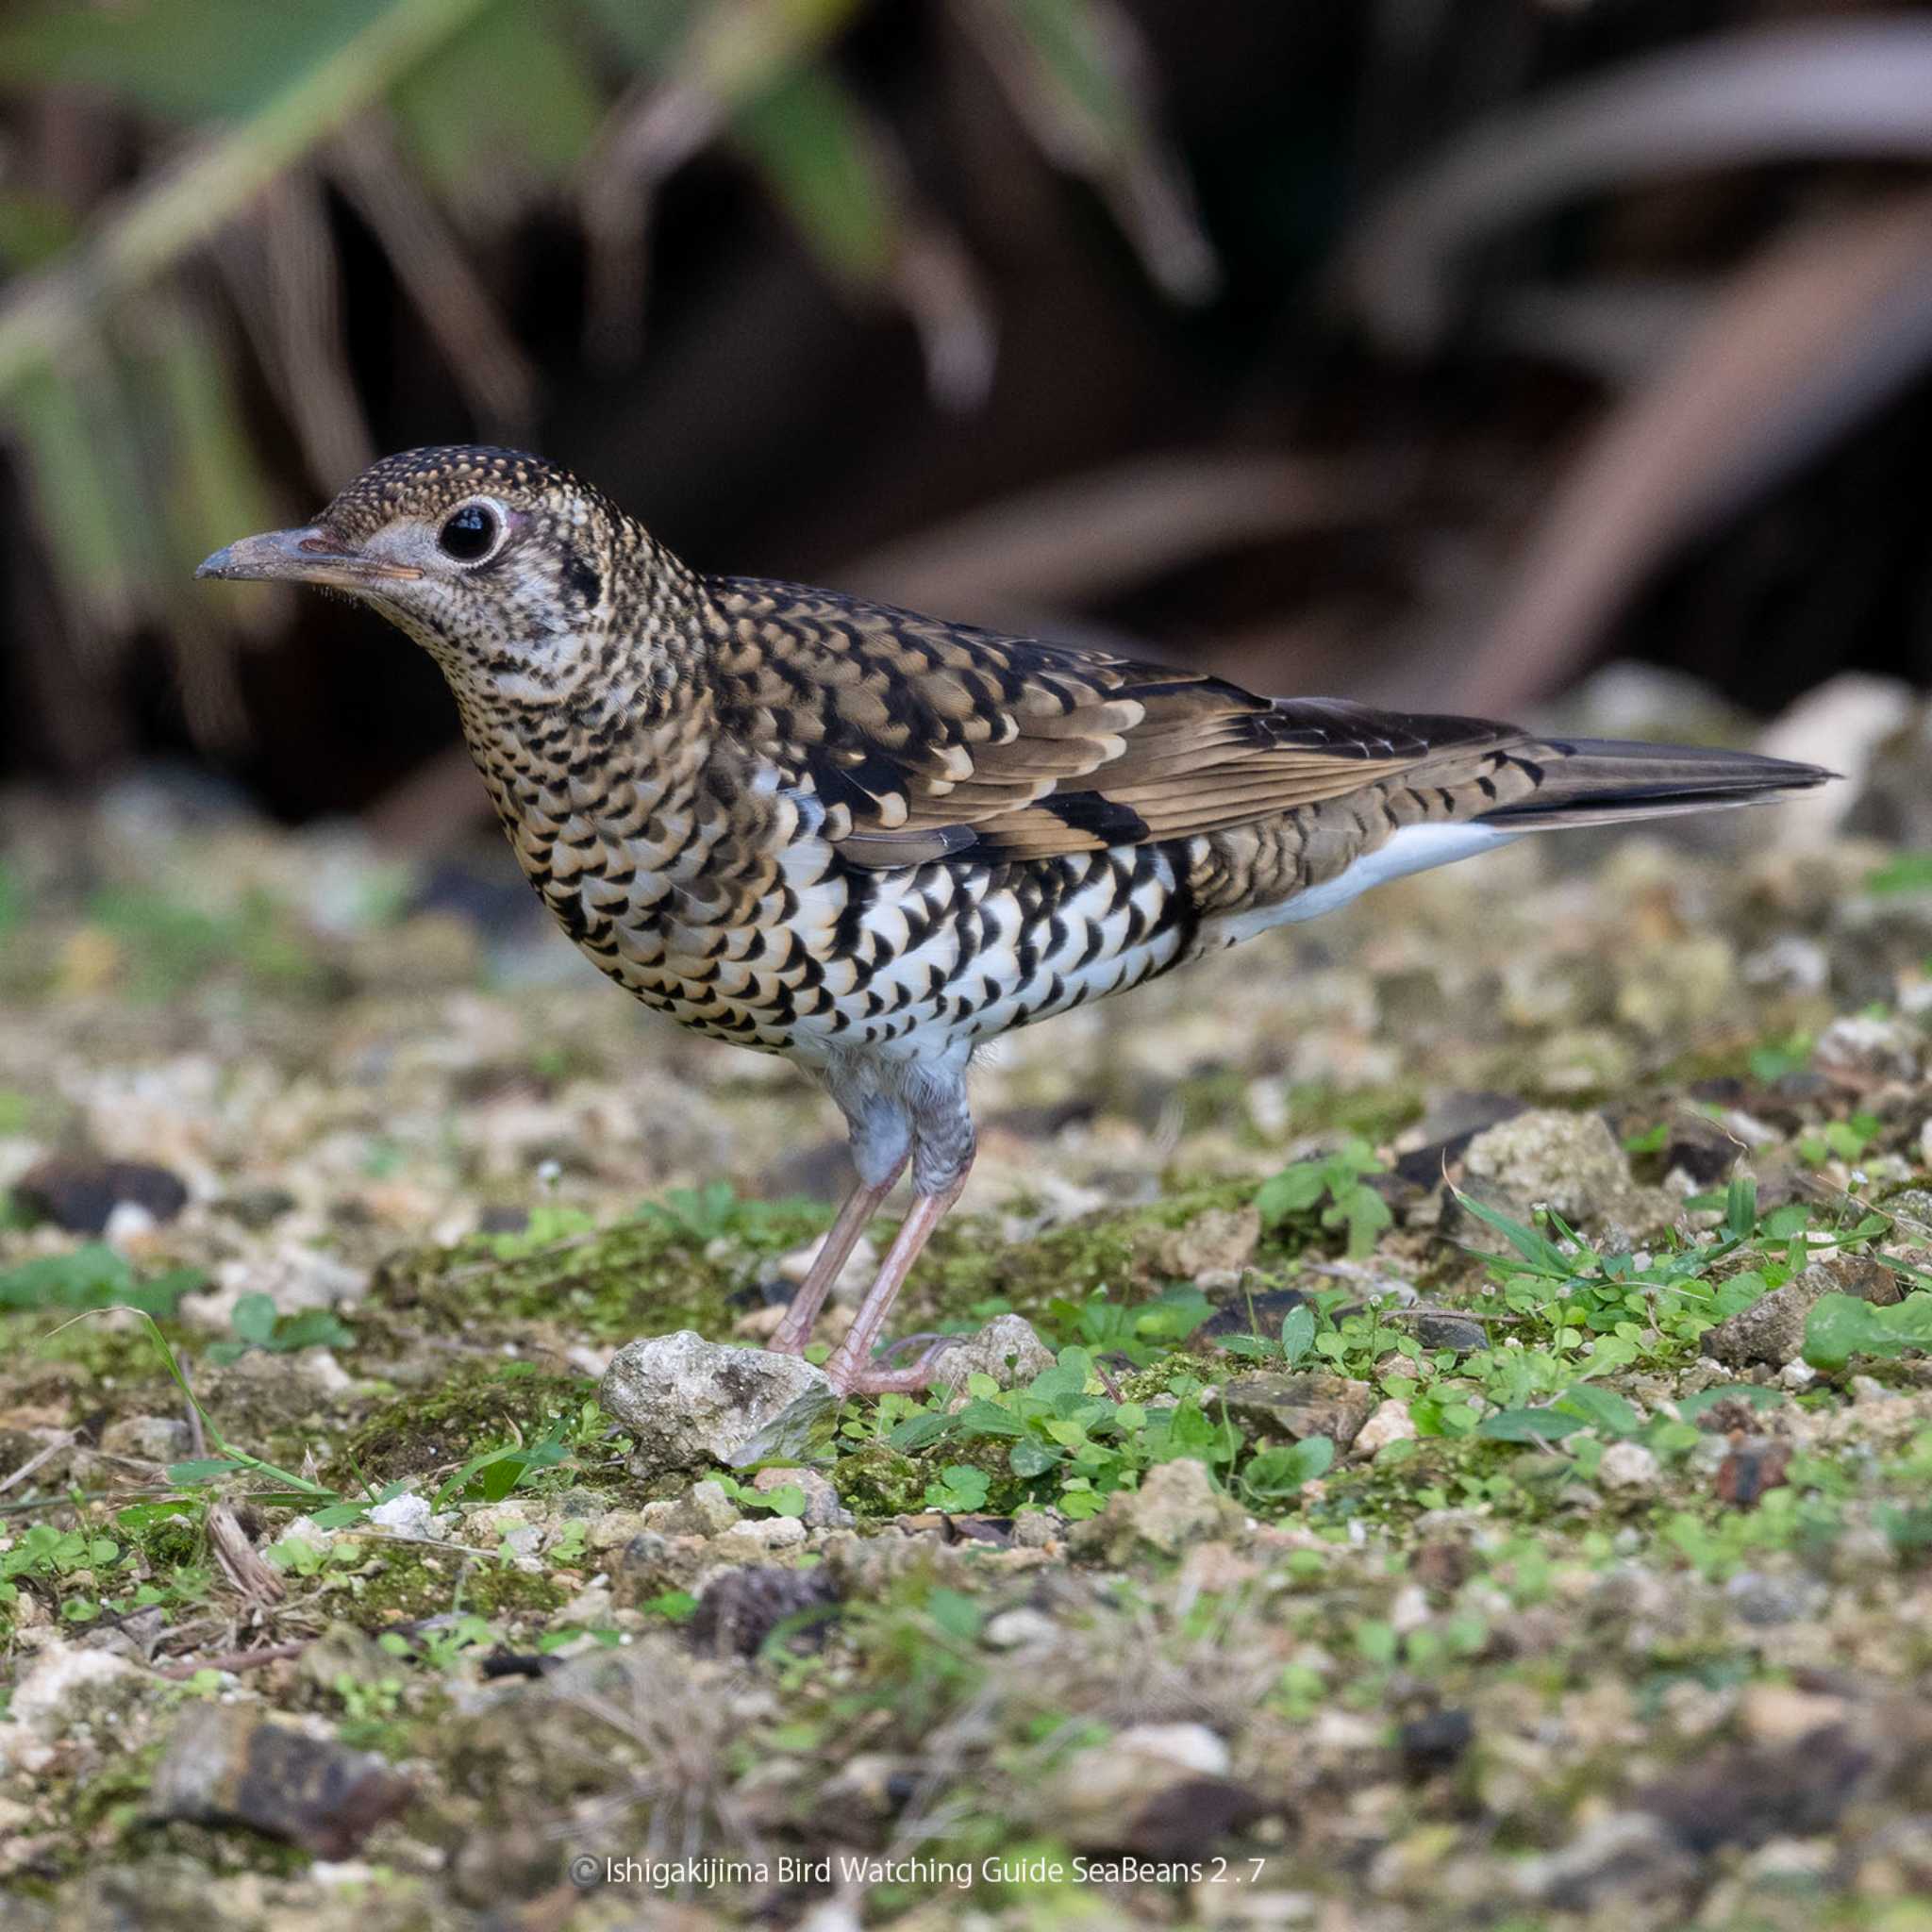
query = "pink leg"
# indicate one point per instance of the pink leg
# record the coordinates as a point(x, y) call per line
point(850, 1363)
point(861, 1203)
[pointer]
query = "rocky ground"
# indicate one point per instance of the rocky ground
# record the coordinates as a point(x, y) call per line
point(1444, 1439)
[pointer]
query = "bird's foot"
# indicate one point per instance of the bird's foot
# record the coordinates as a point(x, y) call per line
point(856, 1376)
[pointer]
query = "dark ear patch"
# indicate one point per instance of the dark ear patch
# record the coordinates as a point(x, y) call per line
point(580, 579)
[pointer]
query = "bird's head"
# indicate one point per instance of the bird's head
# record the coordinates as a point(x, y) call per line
point(505, 568)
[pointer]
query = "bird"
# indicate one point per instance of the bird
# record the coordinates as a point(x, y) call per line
point(873, 841)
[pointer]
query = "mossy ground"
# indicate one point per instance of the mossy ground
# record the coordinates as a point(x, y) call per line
point(1655, 1656)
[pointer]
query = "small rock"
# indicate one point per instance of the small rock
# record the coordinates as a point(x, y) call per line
point(1570, 1162)
point(1303, 1406)
point(1628, 1466)
point(649, 1565)
point(1765, 1599)
point(1391, 1423)
point(1037, 1529)
point(1797, 1376)
point(225, 1764)
point(343, 1651)
point(1699, 1149)
point(688, 1402)
point(1750, 1468)
point(1781, 1714)
point(704, 1509)
point(1219, 1241)
point(738, 1611)
point(1176, 1504)
point(1259, 1314)
point(1435, 1743)
point(1451, 1331)
point(1772, 1329)
point(148, 1439)
point(1007, 1349)
point(1021, 1628)
point(758, 1537)
point(67, 1687)
point(80, 1193)
point(1748, 1794)
point(259, 1208)
point(1865, 1050)
point(1627, 1856)
point(1152, 1789)
point(406, 1514)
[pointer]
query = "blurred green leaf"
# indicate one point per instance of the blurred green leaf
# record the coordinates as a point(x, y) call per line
point(811, 142)
point(647, 31)
point(510, 83)
point(191, 59)
point(94, 1276)
point(214, 481)
point(32, 229)
point(92, 517)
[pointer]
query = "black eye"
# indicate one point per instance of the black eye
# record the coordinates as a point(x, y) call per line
point(469, 534)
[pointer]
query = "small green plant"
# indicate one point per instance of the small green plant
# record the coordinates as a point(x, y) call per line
point(51, 1558)
point(1142, 1332)
point(443, 1646)
point(1297, 1338)
point(1841, 1326)
point(1771, 1061)
point(717, 1211)
point(1297, 1192)
point(171, 947)
point(1847, 1140)
point(959, 1488)
point(550, 1221)
point(94, 1276)
point(786, 1499)
point(257, 1324)
point(1066, 1445)
point(1903, 871)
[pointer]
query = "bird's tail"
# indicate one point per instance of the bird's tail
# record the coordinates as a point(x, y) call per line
point(1609, 781)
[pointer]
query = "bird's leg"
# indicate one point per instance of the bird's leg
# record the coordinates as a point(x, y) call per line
point(861, 1203)
point(850, 1364)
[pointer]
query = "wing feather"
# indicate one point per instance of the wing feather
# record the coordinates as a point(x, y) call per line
point(928, 740)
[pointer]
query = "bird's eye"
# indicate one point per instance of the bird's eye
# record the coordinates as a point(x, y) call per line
point(470, 534)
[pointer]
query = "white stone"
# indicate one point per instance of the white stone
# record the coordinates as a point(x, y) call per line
point(1391, 1423)
point(406, 1515)
point(1627, 1466)
point(689, 1403)
point(48, 1699)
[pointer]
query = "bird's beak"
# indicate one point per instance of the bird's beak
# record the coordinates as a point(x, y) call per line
point(308, 556)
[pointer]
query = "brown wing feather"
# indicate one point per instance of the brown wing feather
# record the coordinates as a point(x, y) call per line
point(925, 739)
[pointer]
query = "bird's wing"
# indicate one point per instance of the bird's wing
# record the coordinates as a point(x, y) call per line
point(923, 739)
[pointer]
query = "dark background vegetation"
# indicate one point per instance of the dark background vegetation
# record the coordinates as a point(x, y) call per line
point(1429, 351)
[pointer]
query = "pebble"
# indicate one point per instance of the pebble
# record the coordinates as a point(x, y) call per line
point(1007, 1348)
point(1021, 1628)
point(225, 1764)
point(704, 1509)
point(1391, 1423)
point(81, 1195)
point(1570, 1162)
point(1303, 1406)
point(405, 1515)
point(689, 1403)
point(1176, 1504)
point(1628, 1466)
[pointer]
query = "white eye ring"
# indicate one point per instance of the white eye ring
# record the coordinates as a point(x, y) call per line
point(473, 533)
